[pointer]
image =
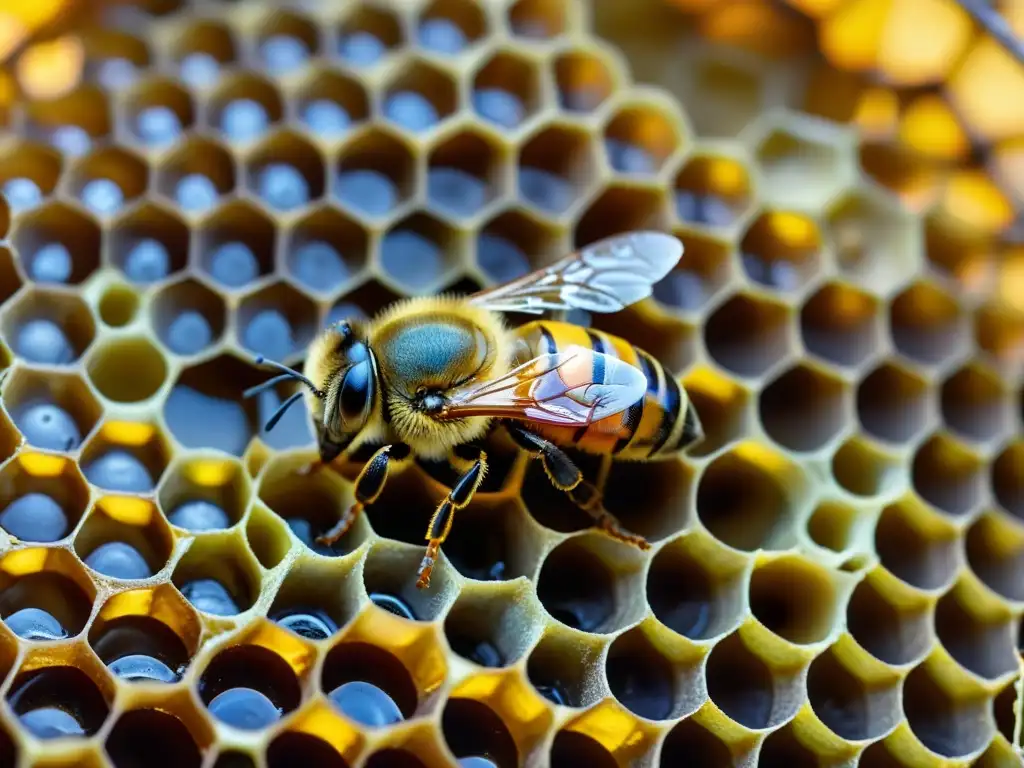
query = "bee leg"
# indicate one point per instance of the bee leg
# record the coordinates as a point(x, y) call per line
point(566, 476)
point(369, 485)
point(441, 523)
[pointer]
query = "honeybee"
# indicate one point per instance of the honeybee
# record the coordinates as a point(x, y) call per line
point(431, 376)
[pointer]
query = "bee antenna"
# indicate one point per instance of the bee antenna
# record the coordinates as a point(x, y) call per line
point(286, 373)
point(281, 409)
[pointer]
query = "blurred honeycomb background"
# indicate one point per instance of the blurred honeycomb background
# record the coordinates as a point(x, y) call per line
point(837, 576)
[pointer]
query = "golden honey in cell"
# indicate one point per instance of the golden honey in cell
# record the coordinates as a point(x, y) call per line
point(431, 376)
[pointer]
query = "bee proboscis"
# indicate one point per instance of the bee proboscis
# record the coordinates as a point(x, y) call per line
point(431, 376)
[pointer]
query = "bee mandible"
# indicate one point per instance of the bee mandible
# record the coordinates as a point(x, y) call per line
point(431, 376)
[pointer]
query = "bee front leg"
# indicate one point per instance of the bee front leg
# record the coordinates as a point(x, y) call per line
point(369, 485)
point(566, 476)
point(441, 523)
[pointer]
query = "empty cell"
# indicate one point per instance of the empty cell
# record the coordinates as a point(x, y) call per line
point(556, 168)
point(202, 50)
point(1008, 479)
point(153, 737)
point(642, 679)
point(244, 107)
point(293, 747)
point(513, 244)
point(47, 327)
point(464, 174)
point(471, 729)
point(107, 363)
point(1004, 708)
point(236, 245)
point(389, 579)
point(746, 498)
point(217, 578)
point(368, 685)
point(538, 19)
point(158, 112)
point(784, 748)
point(840, 324)
point(52, 411)
point(983, 645)
point(653, 499)
point(694, 591)
point(330, 104)
point(507, 90)
point(491, 541)
point(118, 305)
point(376, 173)
point(802, 164)
point(949, 475)
point(44, 497)
point(310, 603)
point(998, 332)
point(893, 403)
point(745, 688)
point(795, 599)
point(52, 702)
point(563, 675)
point(50, 603)
point(620, 209)
point(975, 403)
point(57, 244)
point(196, 176)
point(276, 321)
point(238, 695)
point(149, 244)
point(713, 191)
point(639, 139)
point(927, 325)
point(585, 78)
point(917, 547)
point(325, 251)
point(552, 508)
point(139, 647)
point(286, 42)
point(948, 725)
point(188, 317)
point(448, 27)
point(420, 97)
point(866, 470)
point(851, 707)
point(107, 180)
point(910, 177)
point(956, 254)
point(267, 535)
point(493, 631)
point(367, 35)
point(781, 251)
point(722, 404)
point(994, 553)
point(28, 174)
point(420, 252)
point(690, 743)
point(805, 408)
point(833, 524)
point(748, 335)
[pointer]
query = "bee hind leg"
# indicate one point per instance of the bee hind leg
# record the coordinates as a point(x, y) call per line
point(567, 477)
point(441, 523)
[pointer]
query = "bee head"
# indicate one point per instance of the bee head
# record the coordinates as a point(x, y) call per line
point(350, 398)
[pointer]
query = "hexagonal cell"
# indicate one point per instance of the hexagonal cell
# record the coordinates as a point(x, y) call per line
point(118, 305)
point(836, 526)
point(125, 457)
point(465, 174)
point(277, 321)
point(53, 411)
point(60, 695)
point(43, 497)
point(956, 254)
point(188, 317)
point(149, 244)
point(238, 698)
point(949, 475)
point(514, 243)
point(995, 553)
point(784, 747)
point(875, 241)
point(866, 469)
point(108, 361)
point(893, 403)
point(28, 174)
point(196, 175)
point(803, 164)
point(448, 27)
point(158, 112)
point(368, 684)
point(236, 245)
point(750, 692)
point(419, 97)
point(476, 627)
point(285, 42)
point(330, 104)
point(585, 78)
point(652, 499)
point(593, 597)
point(712, 190)
point(316, 599)
point(911, 178)
point(218, 576)
point(645, 681)
point(72, 122)
point(917, 547)
point(420, 253)
point(620, 209)
point(894, 633)
point(983, 645)
point(689, 740)
point(551, 508)
point(202, 50)
point(492, 540)
point(376, 174)
point(244, 107)
point(749, 336)
point(640, 138)
point(747, 497)
point(507, 90)
point(471, 729)
point(286, 172)
point(948, 724)
point(387, 579)
point(289, 746)
point(805, 408)
point(47, 327)
point(556, 169)
point(1007, 481)
point(565, 667)
point(124, 538)
point(115, 59)
point(723, 406)
point(57, 243)
point(928, 325)
point(795, 599)
point(998, 332)
point(781, 251)
point(108, 180)
point(202, 492)
point(975, 403)
point(368, 34)
point(851, 707)
point(146, 635)
point(539, 19)
point(45, 594)
point(840, 324)
point(325, 251)
point(153, 736)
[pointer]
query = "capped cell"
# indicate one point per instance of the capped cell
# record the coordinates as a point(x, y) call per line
point(804, 163)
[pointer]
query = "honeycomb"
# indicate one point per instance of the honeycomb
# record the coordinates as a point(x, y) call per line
point(837, 571)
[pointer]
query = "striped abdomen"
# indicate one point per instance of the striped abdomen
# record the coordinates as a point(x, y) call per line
point(660, 424)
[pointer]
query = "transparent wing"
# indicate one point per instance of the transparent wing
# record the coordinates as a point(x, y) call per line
point(606, 276)
point(561, 389)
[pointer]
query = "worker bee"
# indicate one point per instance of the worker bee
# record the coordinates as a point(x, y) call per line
point(429, 377)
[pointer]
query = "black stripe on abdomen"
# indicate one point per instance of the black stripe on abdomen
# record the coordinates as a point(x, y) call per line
point(635, 414)
point(670, 414)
